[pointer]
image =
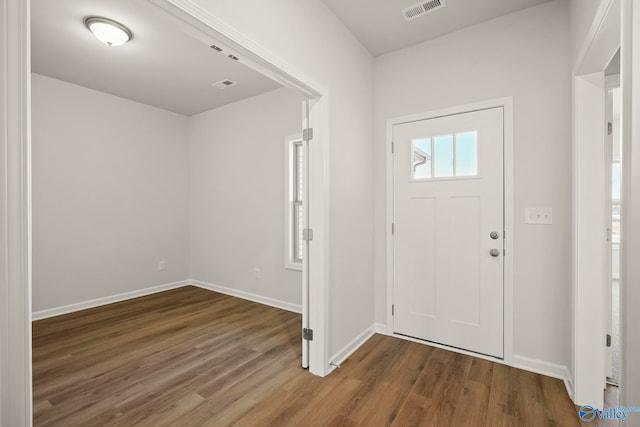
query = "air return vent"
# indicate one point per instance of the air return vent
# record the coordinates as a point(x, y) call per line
point(223, 84)
point(420, 9)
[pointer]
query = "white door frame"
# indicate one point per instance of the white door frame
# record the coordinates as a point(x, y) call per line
point(590, 281)
point(507, 104)
point(15, 214)
point(630, 228)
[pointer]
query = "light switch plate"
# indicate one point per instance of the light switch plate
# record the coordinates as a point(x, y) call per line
point(542, 216)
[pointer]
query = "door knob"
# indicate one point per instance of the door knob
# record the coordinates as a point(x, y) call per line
point(494, 252)
point(494, 235)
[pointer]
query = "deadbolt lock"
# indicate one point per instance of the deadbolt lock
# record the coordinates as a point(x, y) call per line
point(494, 235)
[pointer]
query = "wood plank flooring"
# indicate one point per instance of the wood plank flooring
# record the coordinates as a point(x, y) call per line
point(191, 357)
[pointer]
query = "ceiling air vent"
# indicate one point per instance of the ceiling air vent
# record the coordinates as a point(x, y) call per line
point(223, 84)
point(420, 9)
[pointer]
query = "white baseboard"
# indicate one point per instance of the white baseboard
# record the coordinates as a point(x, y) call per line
point(380, 328)
point(546, 368)
point(352, 346)
point(296, 308)
point(57, 311)
point(568, 382)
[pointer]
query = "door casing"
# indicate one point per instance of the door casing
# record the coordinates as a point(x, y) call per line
point(507, 104)
point(589, 200)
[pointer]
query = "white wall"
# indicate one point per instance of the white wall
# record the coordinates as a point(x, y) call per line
point(110, 195)
point(308, 36)
point(524, 55)
point(237, 175)
point(582, 15)
point(119, 186)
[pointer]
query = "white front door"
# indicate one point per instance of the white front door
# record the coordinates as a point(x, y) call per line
point(449, 230)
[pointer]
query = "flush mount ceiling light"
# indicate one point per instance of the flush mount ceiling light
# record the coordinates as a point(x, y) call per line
point(107, 30)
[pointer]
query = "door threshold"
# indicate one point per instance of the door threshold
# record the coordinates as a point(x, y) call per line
point(449, 348)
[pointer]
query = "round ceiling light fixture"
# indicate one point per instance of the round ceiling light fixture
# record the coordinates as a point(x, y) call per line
point(107, 30)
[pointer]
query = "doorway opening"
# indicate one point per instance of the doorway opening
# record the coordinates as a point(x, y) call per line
point(314, 126)
point(613, 178)
point(227, 55)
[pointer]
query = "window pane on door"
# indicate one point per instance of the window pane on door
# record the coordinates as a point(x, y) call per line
point(443, 156)
point(467, 154)
point(421, 158)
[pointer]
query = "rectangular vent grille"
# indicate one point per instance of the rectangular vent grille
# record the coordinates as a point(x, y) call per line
point(223, 84)
point(420, 9)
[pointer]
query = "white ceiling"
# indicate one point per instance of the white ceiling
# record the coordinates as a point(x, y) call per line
point(381, 28)
point(166, 64)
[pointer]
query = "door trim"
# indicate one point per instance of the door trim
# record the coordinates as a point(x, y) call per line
point(589, 250)
point(15, 214)
point(507, 104)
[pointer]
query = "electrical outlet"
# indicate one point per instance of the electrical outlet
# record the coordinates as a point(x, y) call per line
point(256, 273)
point(541, 216)
point(161, 265)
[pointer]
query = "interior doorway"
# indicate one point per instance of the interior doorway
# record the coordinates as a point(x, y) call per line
point(314, 126)
point(16, 340)
point(613, 175)
point(161, 168)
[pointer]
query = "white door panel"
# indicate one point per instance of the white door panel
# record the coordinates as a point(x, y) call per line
point(448, 198)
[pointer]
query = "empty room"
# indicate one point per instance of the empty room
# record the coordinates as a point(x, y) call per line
point(319, 213)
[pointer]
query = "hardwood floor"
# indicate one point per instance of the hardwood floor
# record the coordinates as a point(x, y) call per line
point(191, 357)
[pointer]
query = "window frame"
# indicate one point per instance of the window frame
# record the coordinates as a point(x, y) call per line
point(433, 158)
point(293, 237)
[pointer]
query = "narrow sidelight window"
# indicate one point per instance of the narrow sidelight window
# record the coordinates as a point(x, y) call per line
point(294, 202)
